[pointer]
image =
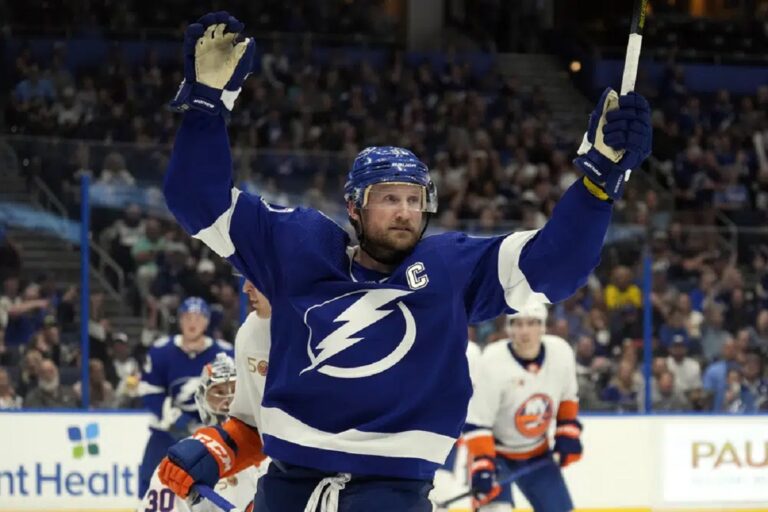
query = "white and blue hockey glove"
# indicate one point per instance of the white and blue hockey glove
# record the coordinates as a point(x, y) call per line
point(215, 65)
point(618, 139)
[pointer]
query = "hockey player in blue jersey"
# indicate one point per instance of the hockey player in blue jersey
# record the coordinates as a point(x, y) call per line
point(169, 381)
point(368, 384)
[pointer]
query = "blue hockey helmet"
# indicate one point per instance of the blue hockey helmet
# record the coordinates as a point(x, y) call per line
point(195, 305)
point(388, 164)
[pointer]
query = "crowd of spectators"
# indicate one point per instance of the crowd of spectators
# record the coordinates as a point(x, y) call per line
point(500, 161)
point(98, 18)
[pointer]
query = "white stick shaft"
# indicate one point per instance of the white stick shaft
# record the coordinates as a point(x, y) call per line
point(630, 63)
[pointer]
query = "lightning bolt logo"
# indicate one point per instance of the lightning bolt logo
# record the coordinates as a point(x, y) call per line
point(185, 394)
point(362, 313)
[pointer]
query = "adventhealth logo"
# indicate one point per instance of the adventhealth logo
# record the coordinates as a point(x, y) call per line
point(70, 464)
point(81, 442)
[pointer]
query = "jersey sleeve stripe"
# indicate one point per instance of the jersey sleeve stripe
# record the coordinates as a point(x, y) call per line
point(480, 443)
point(418, 444)
point(568, 410)
point(517, 290)
point(145, 388)
point(216, 236)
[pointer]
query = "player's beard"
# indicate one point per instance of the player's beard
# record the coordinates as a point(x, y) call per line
point(388, 248)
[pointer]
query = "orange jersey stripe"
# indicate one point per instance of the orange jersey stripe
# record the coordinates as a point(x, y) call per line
point(481, 445)
point(249, 448)
point(568, 410)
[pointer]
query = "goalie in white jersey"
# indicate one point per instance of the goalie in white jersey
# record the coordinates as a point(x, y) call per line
point(527, 382)
point(217, 397)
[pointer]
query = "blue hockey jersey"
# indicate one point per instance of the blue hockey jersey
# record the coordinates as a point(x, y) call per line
point(170, 378)
point(368, 372)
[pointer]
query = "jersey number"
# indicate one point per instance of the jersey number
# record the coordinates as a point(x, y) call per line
point(160, 501)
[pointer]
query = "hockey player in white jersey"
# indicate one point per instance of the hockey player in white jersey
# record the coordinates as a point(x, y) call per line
point(528, 382)
point(251, 363)
point(213, 397)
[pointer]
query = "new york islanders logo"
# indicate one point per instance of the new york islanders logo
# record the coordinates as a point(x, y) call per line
point(532, 418)
point(364, 332)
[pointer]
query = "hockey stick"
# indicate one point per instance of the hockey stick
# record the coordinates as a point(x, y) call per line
point(212, 496)
point(628, 79)
point(504, 481)
point(634, 45)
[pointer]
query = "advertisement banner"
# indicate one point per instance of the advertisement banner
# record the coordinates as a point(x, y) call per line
point(715, 461)
point(70, 460)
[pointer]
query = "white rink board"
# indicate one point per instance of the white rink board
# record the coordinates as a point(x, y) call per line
point(630, 462)
point(644, 463)
point(40, 468)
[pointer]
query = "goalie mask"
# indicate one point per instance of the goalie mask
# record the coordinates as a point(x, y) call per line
point(216, 390)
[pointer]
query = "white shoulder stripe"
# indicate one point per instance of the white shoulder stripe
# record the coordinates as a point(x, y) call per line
point(418, 444)
point(216, 236)
point(145, 388)
point(517, 290)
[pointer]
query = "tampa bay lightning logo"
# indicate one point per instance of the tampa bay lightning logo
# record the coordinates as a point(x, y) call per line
point(338, 324)
point(183, 392)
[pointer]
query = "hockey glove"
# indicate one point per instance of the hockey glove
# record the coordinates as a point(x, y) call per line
point(484, 485)
point(211, 454)
point(618, 139)
point(215, 65)
point(567, 442)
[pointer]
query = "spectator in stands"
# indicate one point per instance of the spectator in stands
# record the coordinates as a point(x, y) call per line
point(47, 341)
point(622, 391)
point(740, 312)
point(123, 234)
point(174, 276)
point(102, 395)
point(686, 370)
point(146, 253)
point(732, 397)
point(759, 332)
point(753, 392)
point(25, 314)
point(115, 174)
point(590, 372)
point(227, 311)
point(713, 336)
point(68, 112)
point(621, 291)
point(49, 392)
point(673, 328)
point(8, 397)
point(30, 367)
point(34, 89)
point(669, 398)
point(716, 374)
point(123, 372)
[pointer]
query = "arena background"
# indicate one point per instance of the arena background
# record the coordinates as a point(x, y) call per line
point(494, 96)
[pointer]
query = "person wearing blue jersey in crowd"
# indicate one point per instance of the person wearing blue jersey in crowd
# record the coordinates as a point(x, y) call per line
point(368, 384)
point(169, 380)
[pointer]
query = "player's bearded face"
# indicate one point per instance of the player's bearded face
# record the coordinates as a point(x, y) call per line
point(392, 220)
